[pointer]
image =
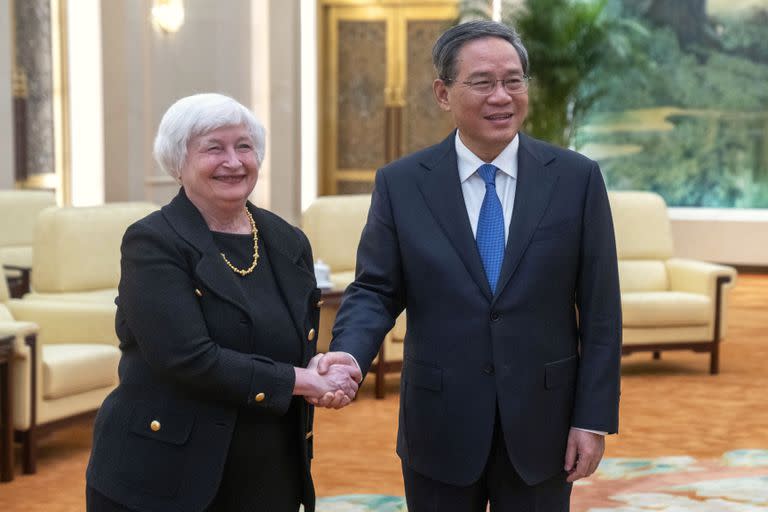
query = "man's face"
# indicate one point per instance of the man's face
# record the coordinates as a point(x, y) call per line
point(486, 123)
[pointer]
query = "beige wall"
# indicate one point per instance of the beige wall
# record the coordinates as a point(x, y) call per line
point(284, 130)
point(145, 71)
point(6, 119)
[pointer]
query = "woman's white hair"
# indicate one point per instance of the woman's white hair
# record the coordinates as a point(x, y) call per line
point(197, 115)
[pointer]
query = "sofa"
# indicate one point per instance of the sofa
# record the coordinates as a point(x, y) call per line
point(64, 365)
point(668, 303)
point(66, 351)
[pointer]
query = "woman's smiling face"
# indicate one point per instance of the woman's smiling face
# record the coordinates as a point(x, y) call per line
point(221, 168)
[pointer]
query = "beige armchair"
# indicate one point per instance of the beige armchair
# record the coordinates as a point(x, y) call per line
point(65, 364)
point(77, 251)
point(667, 303)
point(18, 214)
point(333, 225)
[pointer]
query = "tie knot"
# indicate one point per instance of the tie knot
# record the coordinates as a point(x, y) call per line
point(488, 173)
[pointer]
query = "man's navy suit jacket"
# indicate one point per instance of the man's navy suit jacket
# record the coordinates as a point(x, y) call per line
point(545, 349)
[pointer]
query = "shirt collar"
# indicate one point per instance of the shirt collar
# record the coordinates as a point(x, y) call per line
point(468, 162)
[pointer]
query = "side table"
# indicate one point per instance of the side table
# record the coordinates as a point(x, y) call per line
point(6, 408)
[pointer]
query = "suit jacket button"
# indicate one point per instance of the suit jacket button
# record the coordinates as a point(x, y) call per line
point(155, 425)
point(488, 369)
point(260, 397)
point(198, 292)
point(311, 335)
point(495, 316)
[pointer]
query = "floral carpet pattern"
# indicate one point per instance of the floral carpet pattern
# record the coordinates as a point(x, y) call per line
point(736, 482)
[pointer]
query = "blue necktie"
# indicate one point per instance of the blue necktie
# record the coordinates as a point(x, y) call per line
point(490, 227)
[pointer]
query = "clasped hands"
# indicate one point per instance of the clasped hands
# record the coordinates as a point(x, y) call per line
point(331, 380)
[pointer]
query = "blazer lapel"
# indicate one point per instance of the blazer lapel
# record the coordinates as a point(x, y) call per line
point(441, 189)
point(532, 196)
point(284, 250)
point(185, 218)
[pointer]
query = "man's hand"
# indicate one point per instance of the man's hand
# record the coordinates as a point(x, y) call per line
point(333, 362)
point(583, 453)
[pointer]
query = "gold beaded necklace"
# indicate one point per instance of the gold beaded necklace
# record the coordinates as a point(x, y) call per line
point(255, 233)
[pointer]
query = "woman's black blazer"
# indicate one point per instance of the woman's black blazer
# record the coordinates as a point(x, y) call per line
point(161, 437)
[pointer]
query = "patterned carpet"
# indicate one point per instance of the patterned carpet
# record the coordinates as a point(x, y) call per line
point(736, 482)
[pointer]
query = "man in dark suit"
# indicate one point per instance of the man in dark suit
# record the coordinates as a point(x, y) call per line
point(501, 247)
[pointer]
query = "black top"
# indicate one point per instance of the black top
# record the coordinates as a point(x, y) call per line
point(263, 468)
point(276, 336)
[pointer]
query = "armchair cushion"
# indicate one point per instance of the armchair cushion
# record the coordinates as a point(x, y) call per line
point(643, 231)
point(18, 213)
point(642, 275)
point(665, 309)
point(105, 296)
point(68, 322)
point(74, 369)
point(77, 249)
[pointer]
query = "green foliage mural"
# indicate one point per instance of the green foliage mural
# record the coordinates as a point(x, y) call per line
point(668, 95)
point(692, 125)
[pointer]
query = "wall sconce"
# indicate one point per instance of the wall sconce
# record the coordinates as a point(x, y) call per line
point(168, 15)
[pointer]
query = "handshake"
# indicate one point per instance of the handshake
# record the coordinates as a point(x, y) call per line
point(330, 380)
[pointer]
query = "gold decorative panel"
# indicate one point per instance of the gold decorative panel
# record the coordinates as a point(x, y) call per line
point(40, 104)
point(375, 85)
point(423, 122)
point(361, 82)
point(355, 187)
point(33, 55)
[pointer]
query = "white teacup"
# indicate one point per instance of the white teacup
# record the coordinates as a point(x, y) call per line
point(323, 275)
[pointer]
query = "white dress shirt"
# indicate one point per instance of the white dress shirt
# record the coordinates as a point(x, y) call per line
point(473, 185)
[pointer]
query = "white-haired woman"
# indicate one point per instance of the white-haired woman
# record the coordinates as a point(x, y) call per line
point(217, 315)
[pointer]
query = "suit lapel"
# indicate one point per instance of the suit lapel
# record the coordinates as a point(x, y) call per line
point(296, 282)
point(282, 245)
point(532, 196)
point(187, 221)
point(441, 189)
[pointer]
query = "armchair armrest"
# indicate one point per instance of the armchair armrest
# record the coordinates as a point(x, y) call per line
point(21, 330)
point(709, 279)
point(698, 276)
point(68, 322)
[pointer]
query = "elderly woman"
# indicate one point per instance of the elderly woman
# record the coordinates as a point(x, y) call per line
point(217, 318)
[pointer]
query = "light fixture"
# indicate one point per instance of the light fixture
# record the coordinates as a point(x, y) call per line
point(496, 10)
point(168, 15)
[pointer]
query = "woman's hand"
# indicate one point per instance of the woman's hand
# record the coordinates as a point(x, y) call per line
point(336, 387)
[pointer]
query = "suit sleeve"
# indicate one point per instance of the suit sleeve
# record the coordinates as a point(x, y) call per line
point(156, 296)
point(599, 304)
point(375, 299)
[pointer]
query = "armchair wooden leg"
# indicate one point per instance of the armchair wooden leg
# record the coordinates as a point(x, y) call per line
point(714, 362)
point(29, 451)
point(6, 422)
